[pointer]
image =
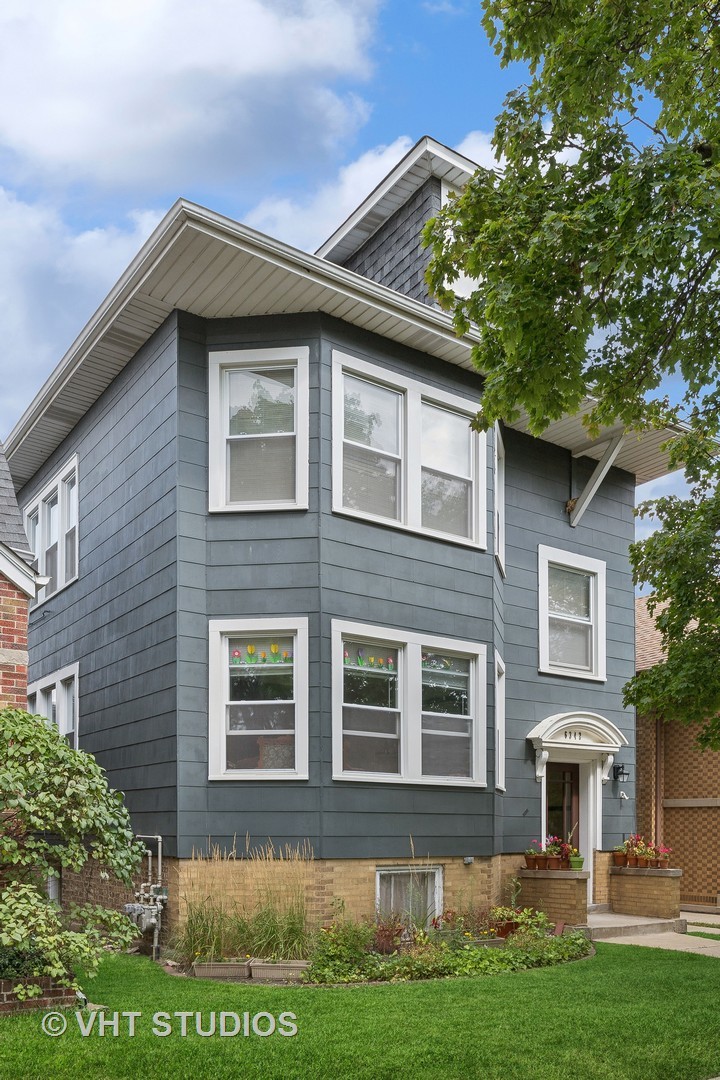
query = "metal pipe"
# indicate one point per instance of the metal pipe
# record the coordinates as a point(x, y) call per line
point(159, 841)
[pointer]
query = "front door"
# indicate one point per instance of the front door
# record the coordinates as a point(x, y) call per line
point(563, 801)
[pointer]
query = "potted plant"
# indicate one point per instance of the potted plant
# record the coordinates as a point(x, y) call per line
point(575, 859)
point(531, 855)
point(632, 844)
point(664, 854)
point(553, 850)
point(619, 855)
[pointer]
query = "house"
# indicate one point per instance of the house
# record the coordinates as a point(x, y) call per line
point(18, 585)
point(677, 786)
point(292, 595)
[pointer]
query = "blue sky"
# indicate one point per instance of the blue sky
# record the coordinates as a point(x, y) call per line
point(283, 114)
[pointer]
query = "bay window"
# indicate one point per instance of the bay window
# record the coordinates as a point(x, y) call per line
point(404, 453)
point(407, 707)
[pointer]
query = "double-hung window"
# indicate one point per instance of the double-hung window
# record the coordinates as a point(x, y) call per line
point(571, 614)
point(404, 453)
point(258, 436)
point(258, 702)
point(407, 707)
point(51, 523)
point(55, 697)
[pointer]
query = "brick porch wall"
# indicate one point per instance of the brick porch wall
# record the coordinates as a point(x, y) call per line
point(655, 893)
point(13, 645)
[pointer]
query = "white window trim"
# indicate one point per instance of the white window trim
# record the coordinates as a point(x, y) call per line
point(499, 497)
point(500, 778)
point(411, 704)
point(415, 394)
point(225, 359)
point(55, 681)
point(423, 869)
point(596, 567)
point(56, 484)
point(219, 631)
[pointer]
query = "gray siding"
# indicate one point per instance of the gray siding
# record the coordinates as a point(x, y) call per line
point(118, 618)
point(540, 479)
point(394, 255)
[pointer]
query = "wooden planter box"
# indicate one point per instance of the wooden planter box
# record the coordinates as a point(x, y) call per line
point(225, 970)
point(281, 971)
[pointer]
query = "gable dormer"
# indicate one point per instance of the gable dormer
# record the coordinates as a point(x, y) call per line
point(381, 239)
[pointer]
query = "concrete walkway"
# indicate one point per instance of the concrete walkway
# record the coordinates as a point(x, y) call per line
point(658, 933)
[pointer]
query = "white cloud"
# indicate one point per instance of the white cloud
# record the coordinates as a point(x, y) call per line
point(477, 145)
point(672, 484)
point(305, 223)
point(51, 280)
point(132, 92)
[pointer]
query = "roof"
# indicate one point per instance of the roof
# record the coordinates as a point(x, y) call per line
point(648, 643)
point(12, 530)
point(426, 158)
point(211, 266)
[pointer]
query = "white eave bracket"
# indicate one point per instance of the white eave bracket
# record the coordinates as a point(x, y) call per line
point(580, 505)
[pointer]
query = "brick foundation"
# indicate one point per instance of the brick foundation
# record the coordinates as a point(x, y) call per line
point(52, 997)
point(561, 894)
point(348, 884)
point(13, 645)
point(655, 893)
point(88, 887)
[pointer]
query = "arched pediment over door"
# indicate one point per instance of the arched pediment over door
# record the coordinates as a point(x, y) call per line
point(576, 737)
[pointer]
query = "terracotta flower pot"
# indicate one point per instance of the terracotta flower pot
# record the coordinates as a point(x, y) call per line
point(541, 862)
point(632, 860)
point(643, 860)
point(619, 858)
point(531, 862)
point(553, 862)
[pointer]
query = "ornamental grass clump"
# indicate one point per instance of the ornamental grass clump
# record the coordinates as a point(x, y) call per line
point(254, 904)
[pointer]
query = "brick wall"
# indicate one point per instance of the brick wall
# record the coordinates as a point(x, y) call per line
point(692, 832)
point(88, 886)
point(655, 893)
point(13, 645)
point(52, 997)
point(561, 894)
point(349, 883)
point(601, 877)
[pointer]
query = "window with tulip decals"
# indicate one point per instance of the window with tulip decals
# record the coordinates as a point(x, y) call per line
point(407, 707)
point(258, 712)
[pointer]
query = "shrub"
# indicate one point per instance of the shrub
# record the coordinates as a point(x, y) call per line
point(57, 811)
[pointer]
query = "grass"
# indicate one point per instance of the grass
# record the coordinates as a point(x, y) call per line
point(631, 1013)
point(703, 933)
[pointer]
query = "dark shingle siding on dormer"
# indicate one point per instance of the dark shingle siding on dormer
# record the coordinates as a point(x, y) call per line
point(394, 255)
point(12, 532)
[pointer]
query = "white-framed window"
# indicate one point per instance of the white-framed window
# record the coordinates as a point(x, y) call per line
point(404, 454)
point(572, 614)
point(258, 699)
point(258, 436)
point(56, 698)
point(413, 893)
point(499, 496)
point(499, 722)
point(407, 708)
point(51, 524)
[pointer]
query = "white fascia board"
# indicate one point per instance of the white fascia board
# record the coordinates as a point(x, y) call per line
point(17, 570)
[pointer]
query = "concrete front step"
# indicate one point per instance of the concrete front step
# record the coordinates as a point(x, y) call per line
point(614, 925)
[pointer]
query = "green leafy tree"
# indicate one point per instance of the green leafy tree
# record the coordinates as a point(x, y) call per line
point(594, 246)
point(56, 811)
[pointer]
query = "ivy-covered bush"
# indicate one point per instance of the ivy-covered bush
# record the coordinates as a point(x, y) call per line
point(56, 811)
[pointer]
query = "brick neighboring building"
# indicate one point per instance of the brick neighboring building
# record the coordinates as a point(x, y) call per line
point(18, 584)
point(678, 786)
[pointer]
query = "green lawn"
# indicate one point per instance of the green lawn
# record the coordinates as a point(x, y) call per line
point(628, 1013)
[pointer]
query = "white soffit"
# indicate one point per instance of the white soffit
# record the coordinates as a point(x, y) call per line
point(200, 262)
point(208, 265)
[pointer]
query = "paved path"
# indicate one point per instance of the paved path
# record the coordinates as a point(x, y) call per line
point(679, 942)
